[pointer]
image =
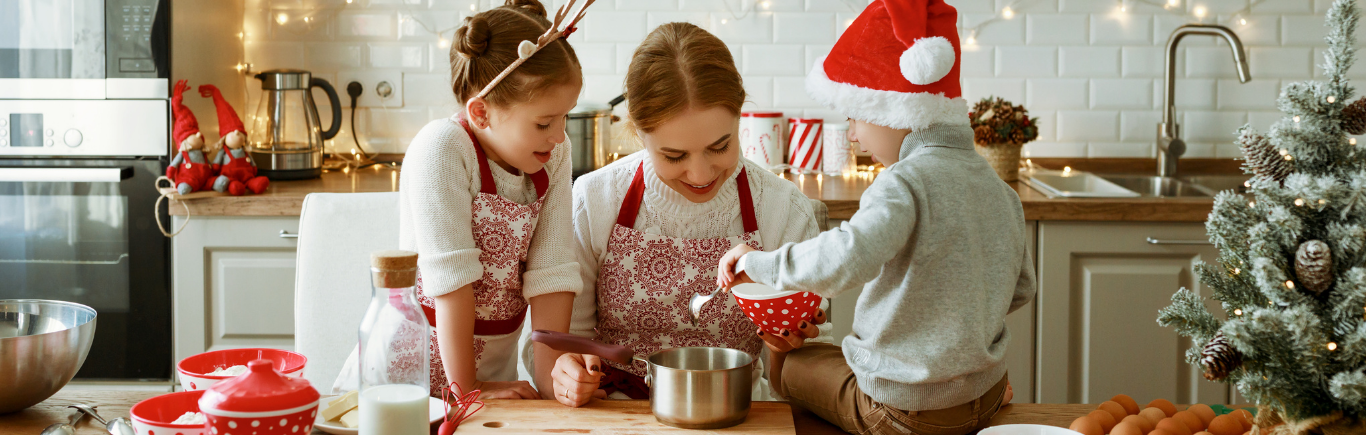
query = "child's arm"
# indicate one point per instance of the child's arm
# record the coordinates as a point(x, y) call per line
point(455, 334)
point(842, 258)
point(1025, 287)
point(551, 279)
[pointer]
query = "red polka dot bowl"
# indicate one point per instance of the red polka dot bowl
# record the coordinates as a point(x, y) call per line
point(262, 402)
point(772, 309)
point(193, 371)
point(154, 416)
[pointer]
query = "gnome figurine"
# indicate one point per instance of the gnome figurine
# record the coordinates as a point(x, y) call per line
point(237, 172)
point(190, 170)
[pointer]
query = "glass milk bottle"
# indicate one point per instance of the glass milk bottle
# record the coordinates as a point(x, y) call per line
point(395, 360)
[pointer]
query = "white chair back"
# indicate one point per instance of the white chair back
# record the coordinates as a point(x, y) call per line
point(337, 233)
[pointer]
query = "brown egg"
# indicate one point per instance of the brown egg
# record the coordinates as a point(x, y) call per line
point(1176, 427)
point(1203, 433)
point(1160, 432)
point(1114, 409)
point(1203, 411)
point(1191, 420)
point(1107, 421)
point(1226, 425)
point(1086, 426)
point(1130, 406)
point(1165, 405)
point(1142, 423)
point(1153, 415)
point(1243, 417)
point(1128, 428)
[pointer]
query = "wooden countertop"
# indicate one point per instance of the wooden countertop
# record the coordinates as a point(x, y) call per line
point(841, 194)
point(113, 404)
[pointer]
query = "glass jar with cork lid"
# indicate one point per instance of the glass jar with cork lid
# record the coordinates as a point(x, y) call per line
point(394, 334)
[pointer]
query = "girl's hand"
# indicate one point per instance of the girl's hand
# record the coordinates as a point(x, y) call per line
point(576, 379)
point(725, 273)
point(791, 340)
point(506, 390)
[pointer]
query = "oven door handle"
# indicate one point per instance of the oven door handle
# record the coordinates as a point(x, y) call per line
point(64, 175)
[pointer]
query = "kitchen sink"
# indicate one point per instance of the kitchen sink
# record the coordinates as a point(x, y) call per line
point(1165, 187)
point(1220, 183)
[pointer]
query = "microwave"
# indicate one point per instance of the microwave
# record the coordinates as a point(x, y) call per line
point(84, 49)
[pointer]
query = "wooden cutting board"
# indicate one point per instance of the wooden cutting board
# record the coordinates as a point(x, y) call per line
point(608, 417)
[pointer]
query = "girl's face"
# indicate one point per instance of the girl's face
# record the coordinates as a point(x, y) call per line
point(522, 136)
point(696, 151)
point(884, 143)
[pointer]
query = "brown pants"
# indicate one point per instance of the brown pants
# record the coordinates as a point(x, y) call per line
point(817, 378)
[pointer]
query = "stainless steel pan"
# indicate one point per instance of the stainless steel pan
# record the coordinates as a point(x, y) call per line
point(690, 387)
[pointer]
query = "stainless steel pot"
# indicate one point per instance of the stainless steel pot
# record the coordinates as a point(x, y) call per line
point(690, 387)
point(590, 133)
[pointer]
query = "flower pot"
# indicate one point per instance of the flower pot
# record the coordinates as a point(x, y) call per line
point(1003, 157)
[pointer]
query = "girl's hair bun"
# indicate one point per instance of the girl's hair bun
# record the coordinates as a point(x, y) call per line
point(533, 7)
point(472, 39)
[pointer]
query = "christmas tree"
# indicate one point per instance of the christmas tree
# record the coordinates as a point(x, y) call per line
point(1291, 277)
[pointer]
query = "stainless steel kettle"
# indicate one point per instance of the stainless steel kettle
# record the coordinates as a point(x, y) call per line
point(287, 138)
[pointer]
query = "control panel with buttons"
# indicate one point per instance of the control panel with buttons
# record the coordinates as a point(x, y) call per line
point(84, 128)
point(129, 38)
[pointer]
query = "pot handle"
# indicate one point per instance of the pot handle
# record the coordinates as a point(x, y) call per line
point(564, 342)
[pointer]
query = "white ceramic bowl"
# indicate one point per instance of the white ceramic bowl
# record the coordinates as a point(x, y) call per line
point(1026, 429)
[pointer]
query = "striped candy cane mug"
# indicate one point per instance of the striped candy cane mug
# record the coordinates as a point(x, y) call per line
point(804, 145)
point(761, 139)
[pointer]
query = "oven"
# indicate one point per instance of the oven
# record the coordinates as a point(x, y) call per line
point(78, 223)
point(84, 49)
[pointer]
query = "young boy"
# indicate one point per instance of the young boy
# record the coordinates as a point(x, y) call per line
point(938, 244)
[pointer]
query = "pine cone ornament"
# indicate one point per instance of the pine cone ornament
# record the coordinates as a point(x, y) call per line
point(1261, 157)
point(1219, 358)
point(1354, 117)
point(1314, 266)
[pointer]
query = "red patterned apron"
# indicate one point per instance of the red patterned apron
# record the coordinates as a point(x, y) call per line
point(646, 280)
point(502, 231)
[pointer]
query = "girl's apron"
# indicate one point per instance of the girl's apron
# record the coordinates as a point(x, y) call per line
point(646, 280)
point(502, 231)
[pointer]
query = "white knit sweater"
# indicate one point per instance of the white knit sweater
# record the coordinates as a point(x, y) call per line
point(783, 212)
point(437, 187)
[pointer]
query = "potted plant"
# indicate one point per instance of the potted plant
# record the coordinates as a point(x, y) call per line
point(999, 130)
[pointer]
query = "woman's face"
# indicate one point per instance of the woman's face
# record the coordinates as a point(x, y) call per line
point(695, 151)
point(522, 136)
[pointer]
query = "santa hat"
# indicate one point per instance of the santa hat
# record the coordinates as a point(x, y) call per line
point(185, 123)
point(228, 121)
point(896, 66)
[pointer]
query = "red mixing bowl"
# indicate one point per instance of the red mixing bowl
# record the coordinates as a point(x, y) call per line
point(193, 371)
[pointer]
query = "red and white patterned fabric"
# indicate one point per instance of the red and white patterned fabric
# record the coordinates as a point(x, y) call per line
point(502, 231)
point(646, 280)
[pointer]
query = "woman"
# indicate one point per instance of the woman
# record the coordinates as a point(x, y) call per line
point(652, 226)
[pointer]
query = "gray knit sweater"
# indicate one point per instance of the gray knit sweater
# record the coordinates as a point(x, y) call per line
point(938, 245)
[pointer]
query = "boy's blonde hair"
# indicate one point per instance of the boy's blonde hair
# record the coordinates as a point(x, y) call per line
point(487, 44)
point(678, 66)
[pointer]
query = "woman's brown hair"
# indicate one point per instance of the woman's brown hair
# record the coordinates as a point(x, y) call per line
point(487, 43)
point(680, 65)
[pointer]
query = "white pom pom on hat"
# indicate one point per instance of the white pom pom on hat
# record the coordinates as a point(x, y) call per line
point(928, 60)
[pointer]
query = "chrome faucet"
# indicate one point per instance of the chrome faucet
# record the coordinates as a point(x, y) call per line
point(1170, 147)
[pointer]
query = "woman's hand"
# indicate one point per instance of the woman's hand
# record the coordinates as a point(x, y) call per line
point(576, 379)
point(725, 273)
point(506, 390)
point(790, 340)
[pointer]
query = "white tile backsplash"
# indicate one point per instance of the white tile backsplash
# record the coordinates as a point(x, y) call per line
point(1092, 74)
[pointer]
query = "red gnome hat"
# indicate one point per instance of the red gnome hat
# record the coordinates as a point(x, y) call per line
point(228, 121)
point(185, 122)
point(895, 66)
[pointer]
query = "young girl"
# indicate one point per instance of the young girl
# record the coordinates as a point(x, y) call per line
point(651, 226)
point(485, 202)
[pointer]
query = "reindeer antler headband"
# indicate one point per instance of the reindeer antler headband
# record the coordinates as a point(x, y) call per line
point(558, 29)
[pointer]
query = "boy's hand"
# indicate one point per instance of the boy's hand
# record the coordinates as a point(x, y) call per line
point(725, 273)
point(577, 378)
point(790, 340)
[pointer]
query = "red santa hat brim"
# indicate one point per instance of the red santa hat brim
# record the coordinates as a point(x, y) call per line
point(901, 110)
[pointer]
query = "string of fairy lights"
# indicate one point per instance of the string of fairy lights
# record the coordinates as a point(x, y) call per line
point(1199, 12)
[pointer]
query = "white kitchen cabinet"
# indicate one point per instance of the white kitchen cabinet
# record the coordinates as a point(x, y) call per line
point(1020, 356)
point(1101, 285)
point(233, 281)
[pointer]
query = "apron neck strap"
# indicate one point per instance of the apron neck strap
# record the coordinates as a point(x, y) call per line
point(630, 205)
point(539, 179)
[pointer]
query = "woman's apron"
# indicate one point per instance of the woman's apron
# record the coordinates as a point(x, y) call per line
point(646, 281)
point(502, 231)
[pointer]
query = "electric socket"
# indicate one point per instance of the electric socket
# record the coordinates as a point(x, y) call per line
point(372, 82)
